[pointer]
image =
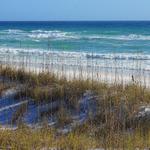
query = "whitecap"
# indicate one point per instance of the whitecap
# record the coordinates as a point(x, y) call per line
point(54, 34)
point(129, 37)
point(80, 54)
point(13, 31)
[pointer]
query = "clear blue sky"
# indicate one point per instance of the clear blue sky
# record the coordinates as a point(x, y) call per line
point(74, 10)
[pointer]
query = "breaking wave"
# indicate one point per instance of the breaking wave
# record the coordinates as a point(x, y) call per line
point(62, 35)
point(129, 37)
point(39, 34)
point(81, 54)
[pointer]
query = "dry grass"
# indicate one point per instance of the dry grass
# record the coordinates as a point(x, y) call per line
point(26, 139)
point(112, 127)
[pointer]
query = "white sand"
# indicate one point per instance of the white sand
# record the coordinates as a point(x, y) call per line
point(108, 71)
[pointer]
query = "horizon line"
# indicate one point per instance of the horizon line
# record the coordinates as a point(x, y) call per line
point(74, 20)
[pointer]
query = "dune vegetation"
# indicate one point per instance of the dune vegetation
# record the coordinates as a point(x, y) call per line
point(115, 123)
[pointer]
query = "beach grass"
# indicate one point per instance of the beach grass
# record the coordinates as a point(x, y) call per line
point(113, 125)
point(46, 138)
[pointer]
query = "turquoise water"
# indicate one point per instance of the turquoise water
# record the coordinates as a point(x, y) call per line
point(100, 37)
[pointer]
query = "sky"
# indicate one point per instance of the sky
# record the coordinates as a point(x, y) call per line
point(55, 10)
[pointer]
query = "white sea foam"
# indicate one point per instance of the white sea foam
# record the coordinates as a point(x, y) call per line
point(130, 37)
point(62, 35)
point(119, 56)
point(39, 34)
point(45, 31)
point(13, 31)
point(55, 34)
point(78, 54)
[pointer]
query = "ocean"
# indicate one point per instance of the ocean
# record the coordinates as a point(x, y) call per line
point(100, 37)
point(110, 44)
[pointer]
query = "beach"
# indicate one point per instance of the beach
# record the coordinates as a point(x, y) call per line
point(103, 51)
point(74, 85)
point(108, 68)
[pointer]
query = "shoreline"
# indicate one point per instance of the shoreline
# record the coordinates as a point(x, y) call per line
point(105, 76)
point(103, 70)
